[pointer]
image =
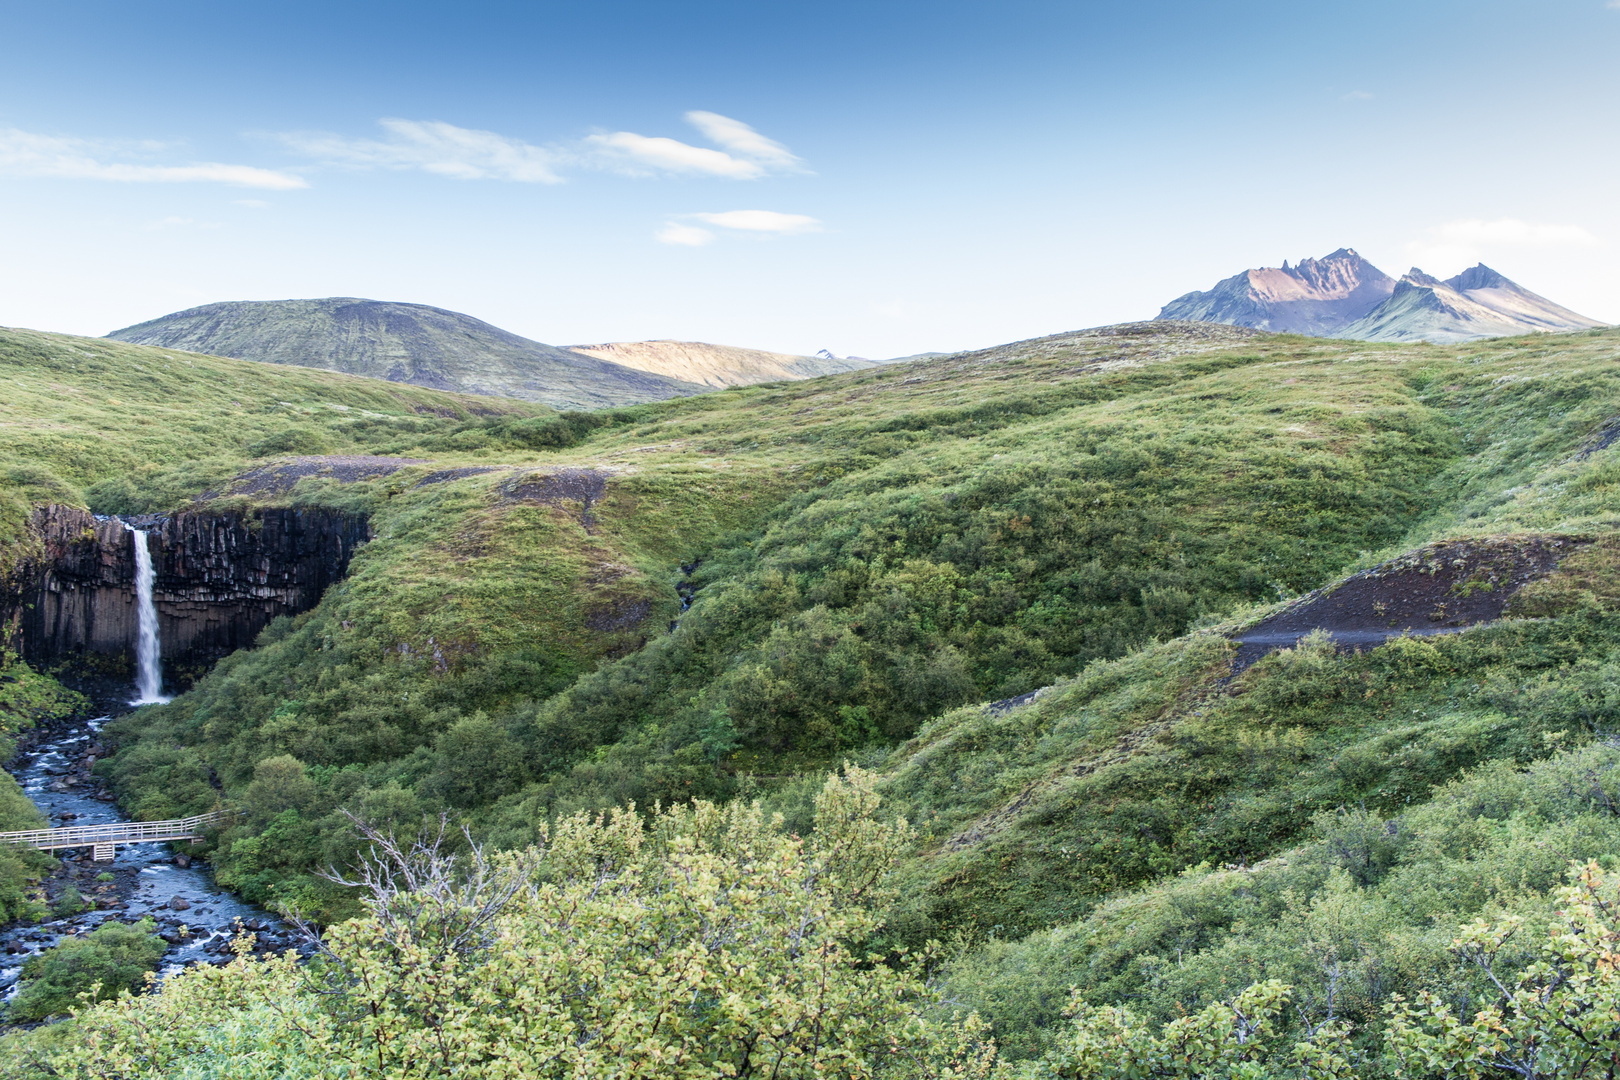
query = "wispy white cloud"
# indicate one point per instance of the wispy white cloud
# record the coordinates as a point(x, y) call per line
point(746, 154)
point(24, 153)
point(436, 147)
point(1461, 243)
point(644, 154)
point(743, 141)
point(471, 154)
point(768, 222)
point(1356, 95)
point(762, 221)
point(1512, 232)
point(683, 235)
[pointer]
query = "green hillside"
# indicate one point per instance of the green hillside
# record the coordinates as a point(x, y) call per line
point(874, 555)
point(124, 428)
point(410, 343)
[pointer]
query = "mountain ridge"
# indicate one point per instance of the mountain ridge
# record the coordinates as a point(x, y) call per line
point(1344, 295)
point(717, 366)
point(400, 342)
point(1308, 298)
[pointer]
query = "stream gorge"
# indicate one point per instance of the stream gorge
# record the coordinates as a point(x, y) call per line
point(158, 599)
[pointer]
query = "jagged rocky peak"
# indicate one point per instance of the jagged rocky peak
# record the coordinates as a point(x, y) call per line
point(1332, 277)
point(1344, 295)
point(1477, 303)
point(1316, 296)
point(1478, 276)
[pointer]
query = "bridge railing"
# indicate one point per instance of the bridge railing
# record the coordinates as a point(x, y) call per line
point(119, 832)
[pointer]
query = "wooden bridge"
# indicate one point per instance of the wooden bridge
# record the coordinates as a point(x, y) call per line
point(104, 839)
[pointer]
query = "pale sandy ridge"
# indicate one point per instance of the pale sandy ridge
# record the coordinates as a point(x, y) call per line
point(716, 365)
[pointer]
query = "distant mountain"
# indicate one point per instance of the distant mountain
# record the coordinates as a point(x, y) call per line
point(718, 365)
point(409, 343)
point(1317, 297)
point(1344, 295)
point(1476, 303)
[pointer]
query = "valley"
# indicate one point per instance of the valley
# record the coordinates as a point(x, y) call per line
point(1153, 545)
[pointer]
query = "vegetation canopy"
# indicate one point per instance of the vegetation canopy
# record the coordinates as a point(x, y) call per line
point(1243, 865)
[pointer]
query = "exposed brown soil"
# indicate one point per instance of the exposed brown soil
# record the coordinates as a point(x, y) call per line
point(1601, 439)
point(444, 476)
point(1437, 589)
point(619, 616)
point(281, 476)
point(584, 486)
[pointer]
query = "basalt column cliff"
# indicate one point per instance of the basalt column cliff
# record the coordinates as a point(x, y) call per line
point(220, 578)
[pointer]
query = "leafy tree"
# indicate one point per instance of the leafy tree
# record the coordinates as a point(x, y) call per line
point(1240, 1039)
point(698, 941)
point(1558, 1020)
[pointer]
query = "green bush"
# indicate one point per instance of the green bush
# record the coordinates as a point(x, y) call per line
point(113, 958)
point(1553, 1019)
point(293, 440)
point(69, 902)
point(696, 942)
point(1362, 911)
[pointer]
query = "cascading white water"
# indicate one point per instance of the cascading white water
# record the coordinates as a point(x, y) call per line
point(148, 653)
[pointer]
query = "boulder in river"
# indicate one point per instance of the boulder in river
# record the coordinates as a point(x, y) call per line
point(178, 903)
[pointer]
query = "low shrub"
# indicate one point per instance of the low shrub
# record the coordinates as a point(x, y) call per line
point(113, 958)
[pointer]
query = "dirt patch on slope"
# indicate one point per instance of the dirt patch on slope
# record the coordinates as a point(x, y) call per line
point(1437, 589)
point(618, 616)
point(280, 477)
point(444, 476)
point(584, 486)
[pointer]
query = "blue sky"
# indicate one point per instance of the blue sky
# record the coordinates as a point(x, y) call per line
point(873, 178)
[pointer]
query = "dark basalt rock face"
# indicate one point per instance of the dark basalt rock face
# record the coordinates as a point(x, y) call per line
point(219, 579)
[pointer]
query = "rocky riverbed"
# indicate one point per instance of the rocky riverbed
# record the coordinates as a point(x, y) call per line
point(175, 889)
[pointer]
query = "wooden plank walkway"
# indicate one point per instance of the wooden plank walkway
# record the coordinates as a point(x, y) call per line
point(104, 838)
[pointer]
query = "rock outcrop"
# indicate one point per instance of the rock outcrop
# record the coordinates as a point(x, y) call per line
point(219, 579)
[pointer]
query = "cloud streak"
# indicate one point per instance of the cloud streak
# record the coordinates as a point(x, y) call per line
point(642, 154)
point(24, 153)
point(1470, 240)
point(759, 222)
point(740, 139)
point(435, 147)
point(762, 221)
point(683, 235)
point(745, 154)
point(1511, 232)
point(471, 154)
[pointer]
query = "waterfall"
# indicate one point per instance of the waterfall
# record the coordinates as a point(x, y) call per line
point(148, 653)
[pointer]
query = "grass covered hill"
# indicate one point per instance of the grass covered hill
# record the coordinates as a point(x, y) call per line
point(411, 343)
point(123, 428)
point(872, 555)
point(868, 551)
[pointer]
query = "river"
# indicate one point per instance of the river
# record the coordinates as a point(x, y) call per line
point(193, 914)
